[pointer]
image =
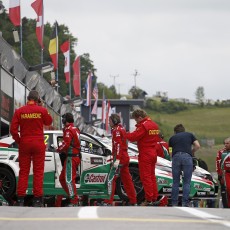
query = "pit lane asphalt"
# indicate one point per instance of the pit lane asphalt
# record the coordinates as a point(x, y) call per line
point(119, 218)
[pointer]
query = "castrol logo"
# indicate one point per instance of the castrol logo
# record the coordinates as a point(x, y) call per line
point(95, 178)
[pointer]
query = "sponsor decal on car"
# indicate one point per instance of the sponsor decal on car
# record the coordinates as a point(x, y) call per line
point(198, 186)
point(167, 189)
point(201, 193)
point(96, 160)
point(162, 181)
point(95, 178)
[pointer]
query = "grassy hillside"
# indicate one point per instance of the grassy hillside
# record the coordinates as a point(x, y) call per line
point(205, 123)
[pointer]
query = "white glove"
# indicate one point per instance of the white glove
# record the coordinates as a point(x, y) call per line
point(116, 163)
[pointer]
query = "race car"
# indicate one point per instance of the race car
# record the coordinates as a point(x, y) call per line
point(94, 172)
point(203, 185)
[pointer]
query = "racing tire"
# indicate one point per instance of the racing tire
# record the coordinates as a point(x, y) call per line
point(137, 185)
point(7, 183)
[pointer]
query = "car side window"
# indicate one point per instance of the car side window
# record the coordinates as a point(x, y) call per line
point(14, 145)
point(91, 148)
point(48, 142)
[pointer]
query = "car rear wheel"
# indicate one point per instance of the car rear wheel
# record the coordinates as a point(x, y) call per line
point(7, 183)
point(137, 185)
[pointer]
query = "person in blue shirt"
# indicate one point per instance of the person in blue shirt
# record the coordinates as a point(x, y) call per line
point(182, 146)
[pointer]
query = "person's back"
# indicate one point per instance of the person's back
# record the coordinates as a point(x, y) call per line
point(182, 142)
point(32, 119)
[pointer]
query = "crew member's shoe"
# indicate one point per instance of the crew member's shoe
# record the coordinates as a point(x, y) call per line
point(163, 201)
point(19, 202)
point(146, 203)
point(155, 203)
point(38, 202)
point(105, 204)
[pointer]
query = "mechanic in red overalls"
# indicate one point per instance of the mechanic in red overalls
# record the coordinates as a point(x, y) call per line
point(146, 135)
point(71, 147)
point(30, 119)
point(121, 159)
point(223, 172)
point(163, 148)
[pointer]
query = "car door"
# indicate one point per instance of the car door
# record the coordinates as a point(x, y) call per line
point(95, 163)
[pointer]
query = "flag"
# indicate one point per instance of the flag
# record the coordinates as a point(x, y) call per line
point(65, 48)
point(88, 86)
point(94, 110)
point(53, 46)
point(38, 8)
point(108, 113)
point(95, 94)
point(95, 91)
point(103, 109)
point(14, 12)
point(77, 77)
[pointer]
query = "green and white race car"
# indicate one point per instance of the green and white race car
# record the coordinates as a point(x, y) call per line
point(94, 173)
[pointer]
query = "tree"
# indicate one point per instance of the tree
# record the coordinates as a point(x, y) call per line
point(200, 95)
point(137, 93)
point(32, 53)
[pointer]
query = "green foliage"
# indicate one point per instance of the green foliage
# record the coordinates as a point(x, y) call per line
point(166, 107)
point(200, 95)
point(136, 92)
point(32, 52)
point(205, 123)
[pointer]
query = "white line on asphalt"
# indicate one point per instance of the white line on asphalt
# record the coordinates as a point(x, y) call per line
point(206, 216)
point(88, 212)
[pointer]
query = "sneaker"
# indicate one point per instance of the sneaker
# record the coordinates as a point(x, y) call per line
point(163, 201)
point(105, 204)
point(155, 203)
point(38, 202)
point(19, 202)
point(146, 203)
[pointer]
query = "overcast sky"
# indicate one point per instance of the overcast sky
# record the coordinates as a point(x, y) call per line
point(175, 45)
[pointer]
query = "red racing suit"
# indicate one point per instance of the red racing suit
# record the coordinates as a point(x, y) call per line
point(223, 171)
point(163, 149)
point(30, 118)
point(71, 147)
point(146, 136)
point(119, 150)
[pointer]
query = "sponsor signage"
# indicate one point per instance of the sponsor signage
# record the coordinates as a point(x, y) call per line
point(96, 160)
point(201, 193)
point(95, 178)
point(167, 189)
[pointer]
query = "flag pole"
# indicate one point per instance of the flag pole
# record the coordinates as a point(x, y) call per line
point(90, 92)
point(56, 30)
point(80, 81)
point(80, 74)
point(42, 49)
point(69, 71)
point(21, 32)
